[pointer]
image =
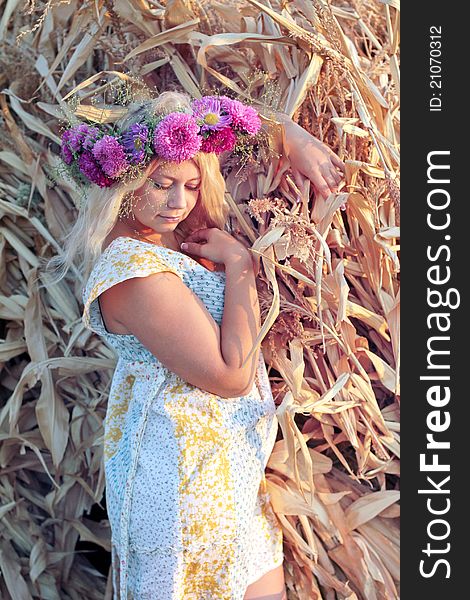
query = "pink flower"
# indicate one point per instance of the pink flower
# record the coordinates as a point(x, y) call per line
point(176, 137)
point(219, 141)
point(250, 121)
point(111, 156)
point(244, 117)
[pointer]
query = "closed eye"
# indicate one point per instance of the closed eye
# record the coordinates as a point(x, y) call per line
point(159, 186)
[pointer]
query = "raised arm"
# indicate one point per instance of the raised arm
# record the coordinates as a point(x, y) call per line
point(308, 156)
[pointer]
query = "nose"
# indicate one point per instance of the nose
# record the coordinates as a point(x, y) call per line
point(177, 197)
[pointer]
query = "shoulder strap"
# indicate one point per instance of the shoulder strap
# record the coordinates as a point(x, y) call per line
point(123, 259)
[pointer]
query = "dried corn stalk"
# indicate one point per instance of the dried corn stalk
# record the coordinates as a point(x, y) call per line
point(329, 283)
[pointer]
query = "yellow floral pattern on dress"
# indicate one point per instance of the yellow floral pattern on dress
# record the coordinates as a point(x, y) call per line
point(190, 515)
point(115, 417)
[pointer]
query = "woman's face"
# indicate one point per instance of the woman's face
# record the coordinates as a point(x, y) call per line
point(171, 190)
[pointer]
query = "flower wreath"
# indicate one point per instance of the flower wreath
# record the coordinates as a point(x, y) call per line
point(103, 155)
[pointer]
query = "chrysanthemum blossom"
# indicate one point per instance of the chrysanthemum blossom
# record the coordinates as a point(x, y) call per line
point(92, 170)
point(80, 137)
point(214, 124)
point(111, 156)
point(244, 118)
point(65, 152)
point(133, 141)
point(76, 139)
point(250, 121)
point(220, 141)
point(208, 114)
point(90, 135)
point(225, 103)
point(176, 137)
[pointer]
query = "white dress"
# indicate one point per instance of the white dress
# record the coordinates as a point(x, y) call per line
point(186, 494)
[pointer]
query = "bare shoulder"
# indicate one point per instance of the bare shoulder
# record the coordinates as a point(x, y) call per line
point(173, 323)
point(117, 299)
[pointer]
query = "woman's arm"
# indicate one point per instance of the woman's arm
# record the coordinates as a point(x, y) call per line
point(182, 334)
point(241, 319)
point(308, 156)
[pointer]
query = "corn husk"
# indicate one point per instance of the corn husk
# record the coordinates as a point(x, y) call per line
point(328, 282)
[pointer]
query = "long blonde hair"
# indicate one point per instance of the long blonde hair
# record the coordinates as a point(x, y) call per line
point(101, 209)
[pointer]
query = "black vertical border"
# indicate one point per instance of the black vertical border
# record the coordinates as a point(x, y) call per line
point(423, 131)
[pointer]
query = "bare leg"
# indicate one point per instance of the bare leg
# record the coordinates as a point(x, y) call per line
point(280, 596)
point(270, 586)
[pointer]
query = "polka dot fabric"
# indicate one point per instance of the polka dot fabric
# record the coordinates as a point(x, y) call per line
point(186, 493)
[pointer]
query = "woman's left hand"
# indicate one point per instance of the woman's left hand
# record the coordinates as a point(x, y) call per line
point(312, 159)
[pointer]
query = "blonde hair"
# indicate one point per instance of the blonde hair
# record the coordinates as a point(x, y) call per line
point(101, 209)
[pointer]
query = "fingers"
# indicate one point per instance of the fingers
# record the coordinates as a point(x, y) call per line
point(200, 235)
point(323, 189)
point(338, 177)
point(330, 181)
point(256, 263)
point(193, 248)
point(299, 181)
point(330, 168)
point(331, 177)
point(335, 159)
point(192, 244)
point(337, 162)
point(325, 183)
point(325, 175)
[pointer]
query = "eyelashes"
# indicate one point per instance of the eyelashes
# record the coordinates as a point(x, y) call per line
point(159, 186)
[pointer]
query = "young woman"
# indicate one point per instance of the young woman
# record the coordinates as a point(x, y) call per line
point(190, 421)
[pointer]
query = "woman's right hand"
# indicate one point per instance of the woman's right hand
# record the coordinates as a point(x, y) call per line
point(214, 244)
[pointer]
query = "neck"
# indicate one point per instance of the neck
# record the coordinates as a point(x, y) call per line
point(136, 229)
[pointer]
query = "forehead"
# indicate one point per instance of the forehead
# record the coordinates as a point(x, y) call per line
point(184, 170)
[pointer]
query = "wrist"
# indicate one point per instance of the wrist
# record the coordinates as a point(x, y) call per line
point(290, 132)
point(240, 258)
point(282, 117)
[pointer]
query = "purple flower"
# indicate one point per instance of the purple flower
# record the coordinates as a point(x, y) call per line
point(91, 169)
point(90, 135)
point(134, 140)
point(176, 137)
point(79, 137)
point(76, 139)
point(219, 141)
point(225, 103)
point(66, 153)
point(243, 117)
point(110, 155)
point(208, 114)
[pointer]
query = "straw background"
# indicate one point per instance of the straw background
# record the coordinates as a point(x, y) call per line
point(328, 284)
